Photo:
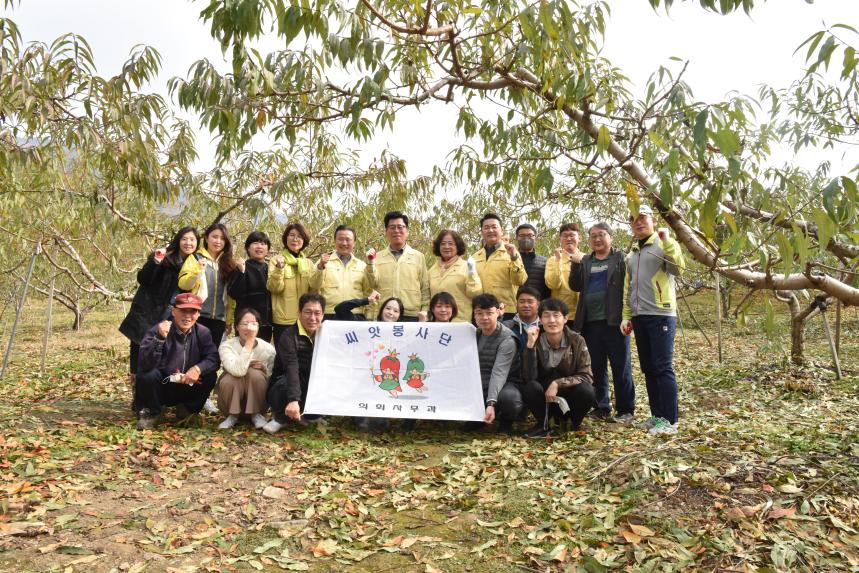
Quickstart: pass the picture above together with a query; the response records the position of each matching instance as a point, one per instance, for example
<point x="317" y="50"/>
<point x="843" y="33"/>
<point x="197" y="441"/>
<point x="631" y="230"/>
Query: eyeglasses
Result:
<point x="247" y="324"/>
<point x="397" y="227"/>
<point x="295" y="236"/>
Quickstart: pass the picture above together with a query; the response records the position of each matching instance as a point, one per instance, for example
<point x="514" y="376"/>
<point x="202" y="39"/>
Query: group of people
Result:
<point x="547" y="329"/>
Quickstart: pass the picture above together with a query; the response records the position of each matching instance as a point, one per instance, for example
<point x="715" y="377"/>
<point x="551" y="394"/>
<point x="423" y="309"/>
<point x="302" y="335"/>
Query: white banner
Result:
<point x="421" y="370"/>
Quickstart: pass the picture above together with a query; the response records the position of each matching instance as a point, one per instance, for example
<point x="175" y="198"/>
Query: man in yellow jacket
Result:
<point x="342" y="276"/>
<point x="499" y="264"/>
<point x="400" y="271"/>
<point x="558" y="268"/>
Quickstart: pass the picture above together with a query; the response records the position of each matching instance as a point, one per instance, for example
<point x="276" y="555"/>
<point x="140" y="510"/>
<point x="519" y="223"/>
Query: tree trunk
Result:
<point x="798" y="316"/>
<point x="79" y="317"/>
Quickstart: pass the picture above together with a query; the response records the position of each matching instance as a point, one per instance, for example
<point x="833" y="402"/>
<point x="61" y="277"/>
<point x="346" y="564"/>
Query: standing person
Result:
<point x="206" y="274"/>
<point x="158" y="280"/>
<point x="287" y="394"/>
<point x="289" y="276"/>
<point x="341" y="275"/>
<point x="178" y="361"/>
<point x="556" y="365"/>
<point x="535" y="265"/>
<point x="453" y="274"/>
<point x="248" y="362"/>
<point x="400" y="271"/>
<point x="247" y="284"/>
<point x="498" y="355"/>
<point x="558" y="268"/>
<point x="499" y="264"/>
<point x="599" y="278"/>
<point x="527" y="305"/>
<point x="650" y="308"/>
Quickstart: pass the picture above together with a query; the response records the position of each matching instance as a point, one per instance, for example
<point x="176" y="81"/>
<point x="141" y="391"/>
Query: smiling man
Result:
<point x="344" y="276"/>
<point x="499" y="265"/>
<point x="174" y="357"/>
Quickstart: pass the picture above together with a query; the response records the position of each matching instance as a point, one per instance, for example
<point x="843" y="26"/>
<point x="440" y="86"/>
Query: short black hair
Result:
<point x="485" y="301"/>
<point x="296" y="226"/>
<point x="529" y="290"/>
<point x="569" y="227"/>
<point x="309" y="297"/>
<point x="460" y="244"/>
<point x="488" y="216"/>
<point x="444" y="297"/>
<point x="391" y="215"/>
<point x="525" y="226"/>
<point x="553" y="304"/>
<point x="257" y="237"/>
<point x="345" y="228"/>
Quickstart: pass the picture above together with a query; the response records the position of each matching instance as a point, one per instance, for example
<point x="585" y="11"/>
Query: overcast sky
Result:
<point x="726" y="53"/>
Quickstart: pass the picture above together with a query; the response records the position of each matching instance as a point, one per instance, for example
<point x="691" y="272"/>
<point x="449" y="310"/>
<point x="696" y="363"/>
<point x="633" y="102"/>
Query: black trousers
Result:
<point x="150" y="392"/>
<point x="133" y="353"/>
<point x="510" y="404"/>
<point x="277" y="397"/>
<point x="579" y="397"/>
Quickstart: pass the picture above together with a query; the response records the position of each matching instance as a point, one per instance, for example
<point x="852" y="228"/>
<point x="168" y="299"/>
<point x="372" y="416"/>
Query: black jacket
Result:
<point x="535" y="266"/>
<point x="179" y="352"/>
<point x="249" y="290"/>
<point x="158" y="284"/>
<point x="343" y="311"/>
<point x="295" y="353"/>
<point x="580" y="274"/>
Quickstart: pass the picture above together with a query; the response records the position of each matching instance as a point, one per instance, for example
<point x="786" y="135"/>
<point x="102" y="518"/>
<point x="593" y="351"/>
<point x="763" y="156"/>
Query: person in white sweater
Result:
<point x="247" y="362"/>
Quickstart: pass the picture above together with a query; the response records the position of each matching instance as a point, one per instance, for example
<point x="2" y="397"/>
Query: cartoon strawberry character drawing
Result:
<point x="416" y="372"/>
<point x="389" y="377"/>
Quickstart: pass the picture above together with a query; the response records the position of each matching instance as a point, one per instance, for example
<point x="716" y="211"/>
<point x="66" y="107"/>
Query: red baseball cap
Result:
<point x="188" y="300"/>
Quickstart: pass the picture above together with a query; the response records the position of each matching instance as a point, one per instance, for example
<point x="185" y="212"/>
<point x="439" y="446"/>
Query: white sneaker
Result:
<point x="272" y="427"/>
<point x="258" y="421"/>
<point x="210" y="408"/>
<point x="228" y="422"/>
<point x="624" y="419"/>
<point x="648" y="423"/>
<point x="663" y="426"/>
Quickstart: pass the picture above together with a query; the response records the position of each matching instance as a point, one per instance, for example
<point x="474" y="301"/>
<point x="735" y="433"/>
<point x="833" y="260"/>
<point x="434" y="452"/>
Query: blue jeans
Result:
<point x="654" y="338"/>
<point x="607" y="345"/>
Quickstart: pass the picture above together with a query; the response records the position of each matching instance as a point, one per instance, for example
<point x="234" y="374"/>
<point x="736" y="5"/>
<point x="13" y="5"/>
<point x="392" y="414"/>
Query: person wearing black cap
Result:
<point x="535" y="265"/>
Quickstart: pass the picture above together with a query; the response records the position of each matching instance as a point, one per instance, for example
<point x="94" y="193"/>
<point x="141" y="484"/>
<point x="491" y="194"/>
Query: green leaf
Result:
<point x="603" y="139"/>
<point x="727" y="141"/>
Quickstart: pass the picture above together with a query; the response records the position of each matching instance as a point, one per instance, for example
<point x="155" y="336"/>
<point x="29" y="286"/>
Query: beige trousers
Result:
<point x="242" y="395"/>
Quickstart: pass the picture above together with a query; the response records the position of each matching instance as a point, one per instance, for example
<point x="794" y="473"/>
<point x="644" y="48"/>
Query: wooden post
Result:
<point x="718" y="315"/>
<point x="831" y="343"/>
<point x="20" y="308"/>
<point x="49" y="325"/>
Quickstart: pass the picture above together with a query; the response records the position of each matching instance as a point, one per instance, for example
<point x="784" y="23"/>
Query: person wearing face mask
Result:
<point x="599" y="278"/>
<point x="499" y="265"/>
<point x="650" y="308"/>
<point x="158" y="280"/>
<point x="247" y="283"/>
<point x="342" y="276"/>
<point x="178" y="361"/>
<point x="556" y="364"/>
<point x="454" y="275"/>
<point x="558" y="268"/>
<point x="400" y="271"/>
<point x="248" y="362"/>
<point x="535" y="265"/>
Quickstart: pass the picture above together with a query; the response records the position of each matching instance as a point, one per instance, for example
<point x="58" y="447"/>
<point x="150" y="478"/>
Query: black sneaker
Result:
<point x="505" y="428"/>
<point x="538" y="432"/>
<point x="598" y="414"/>
<point x="471" y="427"/>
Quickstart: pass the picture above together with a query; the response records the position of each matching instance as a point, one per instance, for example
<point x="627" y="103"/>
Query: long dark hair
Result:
<point x="226" y="262"/>
<point x="384" y="304"/>
<point x="443" y="297"/>
<point x="174" y="253"/>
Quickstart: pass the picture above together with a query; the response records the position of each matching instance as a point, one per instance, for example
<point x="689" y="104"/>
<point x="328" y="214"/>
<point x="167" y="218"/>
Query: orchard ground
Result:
<point x="763" y="476"/>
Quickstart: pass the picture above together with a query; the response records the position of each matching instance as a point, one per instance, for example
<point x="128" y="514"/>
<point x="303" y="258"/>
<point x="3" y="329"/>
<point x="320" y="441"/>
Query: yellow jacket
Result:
<point x="459" y="283"/>
<point x="404" y="278"/>
<point x="501" y="276"/>
<point x="338" y="282"/>
<point x="286" y="286"/>
<point x="199" y="275"/>
<point x="558" y="279"/>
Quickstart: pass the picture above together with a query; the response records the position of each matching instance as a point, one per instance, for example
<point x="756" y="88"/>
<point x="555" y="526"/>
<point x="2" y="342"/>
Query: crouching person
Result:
<point x="294" y="346"/>
<point x="558" y="360"/>
<point x="248" y="362"/>
<point x="175" y="356"/>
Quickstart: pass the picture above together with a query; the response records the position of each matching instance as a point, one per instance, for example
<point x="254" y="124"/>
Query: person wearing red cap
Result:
<point x="175" y="356"/>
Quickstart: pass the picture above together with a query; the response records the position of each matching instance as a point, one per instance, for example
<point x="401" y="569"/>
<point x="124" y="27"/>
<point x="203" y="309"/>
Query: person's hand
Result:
<point x="371" y="255"/>
<point x="250" y="332"/>
<point x="552" y="392"/>
<point x="240" y="264"/>
<point x="164" y="328"/>
<point x="292" y="411"/>
<point x="422" y="316"/>
<point x="279" y="261"/>
<point x="626" y="327"/>
<point x="375" y="296"/>
<point x="511" y="250"/>
<point x="160" y="254"/>
<point x="489" y="417"/>
<point x="559" y="252"/>
<point x="577" y="256"/>
<point x="501" y="308"/>
<point x="471" y="264"/>
<point x="257" y="365"/>
<point x="663" y="232"/>
<point x="323" y="260"/>
<point x="533" y="335"/>
<point x="192" y="376"/>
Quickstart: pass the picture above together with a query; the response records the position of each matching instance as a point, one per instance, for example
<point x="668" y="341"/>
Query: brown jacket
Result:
<point x="568" y="365"/>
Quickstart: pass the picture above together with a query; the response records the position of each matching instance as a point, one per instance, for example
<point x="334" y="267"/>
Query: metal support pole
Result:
<point x="20" y="308"/>
<point x="49" y="325"/>
<point x="718" y="315"/>
<point x="831" y="343"/>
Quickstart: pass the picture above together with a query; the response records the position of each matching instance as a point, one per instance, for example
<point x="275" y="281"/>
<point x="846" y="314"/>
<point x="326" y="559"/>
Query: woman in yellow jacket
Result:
<point x="289" y="275"/>
<point x="558" y="269"/>
<point x="453" y="274"/>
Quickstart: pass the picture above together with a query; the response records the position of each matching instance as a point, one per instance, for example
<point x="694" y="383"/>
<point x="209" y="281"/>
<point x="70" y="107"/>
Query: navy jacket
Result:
<point x="178" y="352"/>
